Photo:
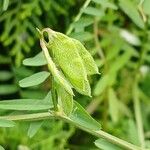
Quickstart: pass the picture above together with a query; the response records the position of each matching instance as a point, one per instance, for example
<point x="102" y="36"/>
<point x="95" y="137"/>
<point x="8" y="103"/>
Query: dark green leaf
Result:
<point x="34" y="79"/>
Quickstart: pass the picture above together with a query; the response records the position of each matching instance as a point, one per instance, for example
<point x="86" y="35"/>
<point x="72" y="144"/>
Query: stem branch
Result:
<point x="49" y="115"/>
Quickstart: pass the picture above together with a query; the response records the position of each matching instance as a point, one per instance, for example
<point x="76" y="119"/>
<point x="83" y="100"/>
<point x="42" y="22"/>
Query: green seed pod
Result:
<point x="88" y="60"/>
<point x="55" y="72"/>
<point x="73" y="59"/>
<point x="66" y="55"/>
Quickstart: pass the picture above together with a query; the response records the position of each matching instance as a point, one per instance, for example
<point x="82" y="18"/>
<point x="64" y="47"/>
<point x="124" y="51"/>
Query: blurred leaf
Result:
<point x="34" y="127"/>
<point x="113" y="105"/>
<point x="93" y="11"/>
<point x="82" y="118"/>
<point x="8" y="89"/>
<point x="106" y="4"/>
<point x="34" y="79"/>
<point x="38" y="60"/>
<point x="130" y="9"/>
<point x="105" y="145"/>
<point x="6" y="123"/>
<point x="1" y="148"/>
<point x="120" y="61"/>
<point x="5" y="4"/>
<point x="25" y="104"/>
<point x="82" y="36"/>
<point x="146" y="4"/>
<point x="132" y="132"/>
<point x="101" y="85"/>
<point x="5" y="75"/>
<point x="83" y="22"/>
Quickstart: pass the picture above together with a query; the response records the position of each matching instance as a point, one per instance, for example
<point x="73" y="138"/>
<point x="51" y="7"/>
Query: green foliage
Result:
<point x="115" y="33"/>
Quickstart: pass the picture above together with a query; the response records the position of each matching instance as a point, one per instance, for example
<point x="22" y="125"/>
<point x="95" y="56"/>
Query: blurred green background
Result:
<point x="116" y="33"/>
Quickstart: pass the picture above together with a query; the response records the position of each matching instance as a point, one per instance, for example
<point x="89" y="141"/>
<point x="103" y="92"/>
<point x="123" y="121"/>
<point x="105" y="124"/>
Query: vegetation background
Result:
<point x="116" y="33"/>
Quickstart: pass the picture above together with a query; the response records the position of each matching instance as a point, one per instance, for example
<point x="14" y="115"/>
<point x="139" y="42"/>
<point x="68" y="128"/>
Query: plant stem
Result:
<point x="78" y="16"/>
<point x="99" y="133"/>
<point x="54" y="97"/>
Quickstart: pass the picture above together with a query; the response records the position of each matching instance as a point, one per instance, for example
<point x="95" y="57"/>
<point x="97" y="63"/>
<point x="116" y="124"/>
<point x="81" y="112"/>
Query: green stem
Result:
<point x="78" y="16"/>
<point x="54" y="97"/>
<point x="99" y="133"/>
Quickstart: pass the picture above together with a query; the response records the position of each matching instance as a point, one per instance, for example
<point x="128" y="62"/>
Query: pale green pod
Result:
<point x="69" y="60"/>
<point x="59" y="78"/>
<point x="88" y="60"/>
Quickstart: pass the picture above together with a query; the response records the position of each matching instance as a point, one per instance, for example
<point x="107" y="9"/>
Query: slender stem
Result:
<point x="99" y="133"/>
<point x="54" y="97"/>
<point x="28" y="117"/>
<point x="78" y="16"/>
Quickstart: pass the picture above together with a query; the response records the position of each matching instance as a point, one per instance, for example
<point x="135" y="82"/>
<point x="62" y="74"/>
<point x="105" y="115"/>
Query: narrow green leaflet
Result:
<point x="105" y="145"/>
<point x="130" y="9"/>
<point x="83" y="22"/>
<point x="5" y="4"/>
<point x="93" y="11"/>
<point x="89" y="63"/>
<point x="26" y="104"/>
<point x="82" y="36"/>
<point x="105" y="4"/>
<point x="121" y="61"/>
<point x="5" y="75"/>
<point x="6" y="123"/>
<point x="101" y="85"/>
<point x="34" y="79"/>
<point x="34" y="127"/>
<point x="65" y="100"/>
<point x="113" y="105"/>
<point x="1" y="148"/>
<point x="38" y="60"/>
<point x="82" y="118"/>
<point x="132" y="132"/>
<point x="8" y="89"/>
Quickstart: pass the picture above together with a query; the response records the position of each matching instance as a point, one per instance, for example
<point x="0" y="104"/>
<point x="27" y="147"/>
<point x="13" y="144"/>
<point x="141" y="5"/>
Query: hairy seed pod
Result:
<point x="73" y="59"/>
<point x="55" y="72"/>
<point x="67" y="57"/>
